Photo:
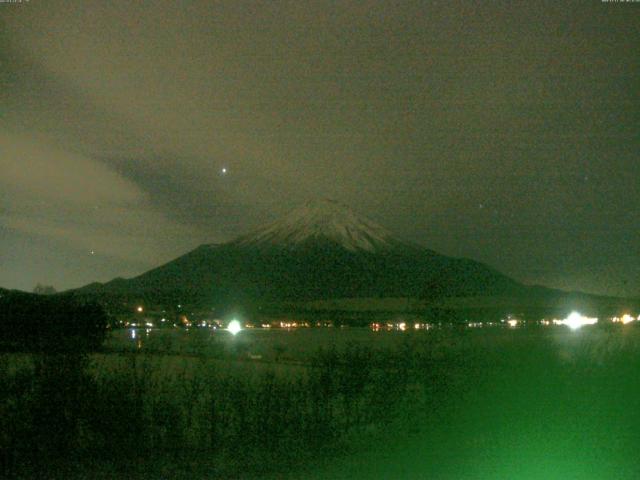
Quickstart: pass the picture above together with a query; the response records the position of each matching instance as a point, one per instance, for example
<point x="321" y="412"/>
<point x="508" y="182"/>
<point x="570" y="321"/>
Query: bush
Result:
<point x="50" y="324"/>
<point x="140" y="416"/>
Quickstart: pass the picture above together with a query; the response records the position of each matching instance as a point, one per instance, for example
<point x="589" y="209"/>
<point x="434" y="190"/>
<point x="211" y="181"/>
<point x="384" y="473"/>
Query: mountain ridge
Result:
<point x="324" y="219"/>
<point x="317" y="252"/>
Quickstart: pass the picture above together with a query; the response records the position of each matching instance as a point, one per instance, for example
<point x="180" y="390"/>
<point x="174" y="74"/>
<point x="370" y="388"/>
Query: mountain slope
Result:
<point x="324" y="220"/>
<point x="322" y="250"/>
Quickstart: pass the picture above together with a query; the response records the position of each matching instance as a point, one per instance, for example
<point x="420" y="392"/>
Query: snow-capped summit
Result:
<point x="320" y="251"/>
<point x="323" y="220"/>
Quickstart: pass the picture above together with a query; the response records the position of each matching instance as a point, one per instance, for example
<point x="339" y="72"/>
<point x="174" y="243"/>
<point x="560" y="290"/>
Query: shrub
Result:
<point x="50" y="324"/>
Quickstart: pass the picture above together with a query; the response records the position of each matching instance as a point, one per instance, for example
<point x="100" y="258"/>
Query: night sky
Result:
<point x="505" y="132"/>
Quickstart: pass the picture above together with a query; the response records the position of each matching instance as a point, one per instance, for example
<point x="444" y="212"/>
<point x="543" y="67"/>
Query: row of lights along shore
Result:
<point x="574" y="321"/>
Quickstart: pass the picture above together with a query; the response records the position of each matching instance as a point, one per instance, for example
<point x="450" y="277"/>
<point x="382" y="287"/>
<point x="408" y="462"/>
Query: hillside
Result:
<point x="321" y="252"/>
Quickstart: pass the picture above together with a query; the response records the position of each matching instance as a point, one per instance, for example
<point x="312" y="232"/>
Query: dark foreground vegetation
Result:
<point x="151" y="416"/>
<point x="39" y="323"/>
<point x="68" y="411"/>
<point x="550" y="404"/>
<point x="449" y="403"/>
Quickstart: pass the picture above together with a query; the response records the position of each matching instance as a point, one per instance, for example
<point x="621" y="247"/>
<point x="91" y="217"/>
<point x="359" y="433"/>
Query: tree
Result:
<point x="50" y="323"/>
<point x="44" y="289"/>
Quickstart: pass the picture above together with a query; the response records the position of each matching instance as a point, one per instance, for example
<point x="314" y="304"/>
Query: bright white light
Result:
<point x="626" y="318"/>
<point x="234" y="327"/>
<point x="139" y="309"/>
<point x="224" y="170"/>
<point x="575" y="321"/>
<point x="513" y="323"/>
<point x="133" y="333"/>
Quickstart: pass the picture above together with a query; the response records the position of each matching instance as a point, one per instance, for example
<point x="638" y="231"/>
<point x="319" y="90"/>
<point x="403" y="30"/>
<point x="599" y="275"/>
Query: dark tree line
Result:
<point x="39" y="323"/>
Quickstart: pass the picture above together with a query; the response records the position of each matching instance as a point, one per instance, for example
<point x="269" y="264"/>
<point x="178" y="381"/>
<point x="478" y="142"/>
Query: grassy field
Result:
<point x="195" y="405"/>
<point x="541" y="405"/>
<point x="532" y="403"/>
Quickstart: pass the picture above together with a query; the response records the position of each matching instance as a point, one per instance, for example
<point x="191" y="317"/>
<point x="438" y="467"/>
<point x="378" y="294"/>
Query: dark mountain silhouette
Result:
<point x="320" y="251"/>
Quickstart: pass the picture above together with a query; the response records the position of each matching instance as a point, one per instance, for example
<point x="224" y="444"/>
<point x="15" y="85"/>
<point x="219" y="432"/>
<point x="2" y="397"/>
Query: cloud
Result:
<point x="413" y="114"/>
<point x="67" y="197"/>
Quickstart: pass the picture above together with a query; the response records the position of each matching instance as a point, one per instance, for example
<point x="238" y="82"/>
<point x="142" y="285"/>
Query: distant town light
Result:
<point x="513" y="323"/>
<point x="576" y="320"/>
<point x="626" y="318"/>
<point x="139" y="309"/>
<point x="234" y="327"/>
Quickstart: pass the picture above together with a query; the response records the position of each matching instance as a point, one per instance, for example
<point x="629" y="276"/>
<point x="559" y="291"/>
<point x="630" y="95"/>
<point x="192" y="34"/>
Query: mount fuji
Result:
<point x="325" y="220"/>
<point x="322" y="250"/>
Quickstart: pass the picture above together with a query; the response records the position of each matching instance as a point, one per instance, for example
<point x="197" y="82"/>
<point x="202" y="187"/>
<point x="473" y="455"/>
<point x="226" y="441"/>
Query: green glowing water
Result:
<point x="540" y="406"/>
